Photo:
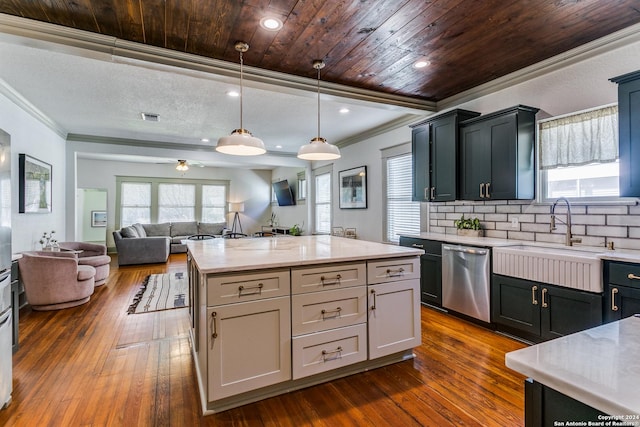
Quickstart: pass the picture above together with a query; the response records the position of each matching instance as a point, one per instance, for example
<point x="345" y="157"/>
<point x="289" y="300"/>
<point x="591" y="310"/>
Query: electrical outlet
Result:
<point x="515" y="222"/>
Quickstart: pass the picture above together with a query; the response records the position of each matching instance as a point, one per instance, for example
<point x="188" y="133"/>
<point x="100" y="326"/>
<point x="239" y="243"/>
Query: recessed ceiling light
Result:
<point x="421" y="63"/>
<point x="344" y="110"/>
<point x="205" y="140"/>
<point x="233" y="93"/>
<point x="270" y="23"/>
<point x="278" y="146"/>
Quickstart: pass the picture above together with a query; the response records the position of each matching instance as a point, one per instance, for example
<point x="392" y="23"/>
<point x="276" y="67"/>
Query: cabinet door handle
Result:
<point x="336" y="313"/>
<point x="256" y="289"/>
<point x="415" y="245"/>
<point x="335" y="281"/>
<point x="326" y="353"/>
<point x="544" y="300"/>
<point x="373" y="293"/>
<point x="632" y="276"/>
<point x="614" y="307"/>
<point x="395" y="273"/>
<point x="213" y="327"/>
<point x="486" y="190"/>
<point x="534" y="289"/>
<point x="433" y="193"/>
<point x="482" y="190"/>
<point x="426" y="194"/>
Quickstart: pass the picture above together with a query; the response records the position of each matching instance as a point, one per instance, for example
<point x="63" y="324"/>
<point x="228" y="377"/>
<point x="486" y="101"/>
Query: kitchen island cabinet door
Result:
<point x="516" y="304"/>
<point x="565" y="311"/>
<point x="249" y="346"/>
<point x="621" y="302"/>
<point x="394" y="317"/>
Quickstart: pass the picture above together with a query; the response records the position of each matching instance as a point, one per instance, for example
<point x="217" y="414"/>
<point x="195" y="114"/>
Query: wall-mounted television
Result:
<point x="284" y="194"/>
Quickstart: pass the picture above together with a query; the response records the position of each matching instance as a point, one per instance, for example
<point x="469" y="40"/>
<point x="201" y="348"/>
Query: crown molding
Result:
<point x="403" y="121"/>
<point x="29" y="108"/>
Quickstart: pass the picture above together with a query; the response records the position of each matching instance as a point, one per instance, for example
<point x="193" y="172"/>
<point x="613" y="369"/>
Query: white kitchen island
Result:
<point x="271" y="315"/>
<point x="598" y="367"/>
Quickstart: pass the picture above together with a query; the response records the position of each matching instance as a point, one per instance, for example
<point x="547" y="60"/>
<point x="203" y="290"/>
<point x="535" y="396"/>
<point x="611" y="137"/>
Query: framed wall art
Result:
<point x="353" y="188"/>
<point x="98" y="218"/>
<point x="34" y="185"/>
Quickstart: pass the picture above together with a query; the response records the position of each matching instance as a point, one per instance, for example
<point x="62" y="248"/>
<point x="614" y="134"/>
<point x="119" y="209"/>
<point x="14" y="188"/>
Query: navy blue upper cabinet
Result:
<point x="434" y="144"/>
<point x="497" y="159"/>
<point x="629" y="128"/>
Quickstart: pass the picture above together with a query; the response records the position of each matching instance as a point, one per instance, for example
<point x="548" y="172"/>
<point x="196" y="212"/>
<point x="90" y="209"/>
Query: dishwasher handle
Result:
<point x="465" y="249"/>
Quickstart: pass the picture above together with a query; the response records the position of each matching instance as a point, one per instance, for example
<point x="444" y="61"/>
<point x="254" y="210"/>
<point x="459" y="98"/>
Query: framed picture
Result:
<point x="353" y="188"/>
<point x="98" y="219"/>
<point x="34" y="185"/>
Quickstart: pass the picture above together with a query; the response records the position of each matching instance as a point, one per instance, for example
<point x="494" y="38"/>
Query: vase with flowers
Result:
<point x="48" y="242"/>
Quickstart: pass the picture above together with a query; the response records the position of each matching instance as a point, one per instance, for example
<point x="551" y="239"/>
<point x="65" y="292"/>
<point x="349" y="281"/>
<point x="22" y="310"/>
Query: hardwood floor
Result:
<point x="95" y="365"/>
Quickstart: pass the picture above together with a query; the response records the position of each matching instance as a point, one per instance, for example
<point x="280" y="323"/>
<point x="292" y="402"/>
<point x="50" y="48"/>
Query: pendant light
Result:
<point x="318" y="148"/>
<point x="241" y="142"/>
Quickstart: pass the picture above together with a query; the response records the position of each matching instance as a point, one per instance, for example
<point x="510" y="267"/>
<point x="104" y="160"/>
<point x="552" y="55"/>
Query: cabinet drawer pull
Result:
<point x="632" y="276"/>
<point x="486" y="190"/>
<point x="332" y="313"/>
<point x="336" y="352"/>
<point x="433" y="193"/>
<point x="324" y="281"/>
<point x="482" y="190"/>
<point x="614" y="307"/>
<point x="255" y="289"/>
<point x="534" y="289"/>
<point x="395" y="273"/>
<point x="213" y="327"/>
<point x="373" y="292"/>
<point x="544" y="300"/>
<point x="415" y="245"/>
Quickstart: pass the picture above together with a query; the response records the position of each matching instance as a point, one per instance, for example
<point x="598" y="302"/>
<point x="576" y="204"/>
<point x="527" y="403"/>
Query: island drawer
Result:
<point x="232" y="288"/>
<point x="328" y="350"/>
<point x="393" y="269"/>
<point x="624" y="274"/>
<point x="330" y="276"/>
<point x="319" y="311"/>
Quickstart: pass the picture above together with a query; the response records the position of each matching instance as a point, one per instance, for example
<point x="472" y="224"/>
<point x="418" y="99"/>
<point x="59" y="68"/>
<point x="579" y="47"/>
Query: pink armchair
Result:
<point x="54" y="280"/>
<point x="92" y="254"/>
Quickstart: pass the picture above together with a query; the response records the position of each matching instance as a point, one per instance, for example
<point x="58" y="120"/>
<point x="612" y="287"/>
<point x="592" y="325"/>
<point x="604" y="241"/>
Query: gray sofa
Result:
<point x="152" y="243"/>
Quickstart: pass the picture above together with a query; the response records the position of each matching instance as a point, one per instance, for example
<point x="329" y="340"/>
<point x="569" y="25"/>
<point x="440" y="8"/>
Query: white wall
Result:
<point x="30" y="136"/>
<point x="249" y="186"/>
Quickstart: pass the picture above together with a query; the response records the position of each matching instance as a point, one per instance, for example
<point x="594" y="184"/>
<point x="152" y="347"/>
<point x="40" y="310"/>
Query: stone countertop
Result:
<point x="599" y="367"/>
<point x="230" y="255"/>
<point x="624" y="255"/>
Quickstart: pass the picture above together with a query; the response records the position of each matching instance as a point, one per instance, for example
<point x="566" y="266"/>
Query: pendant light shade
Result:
<point x="318" y="148"/>
<point x="241" y="142"/>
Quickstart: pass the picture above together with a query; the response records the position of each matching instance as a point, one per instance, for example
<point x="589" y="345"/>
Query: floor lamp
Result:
<point x="237" y="208"/>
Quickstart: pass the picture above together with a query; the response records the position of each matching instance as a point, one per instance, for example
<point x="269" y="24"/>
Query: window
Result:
<point x="176" y="202"/>
<point x="156" y="200"/>
<point x="213" y="203"/>
<point x="135" y="203"/>
<point x="402" y="216"/>
<point x="302" y="186"/>
<point x="579" y="155"/>
<point x="322" y="212"/>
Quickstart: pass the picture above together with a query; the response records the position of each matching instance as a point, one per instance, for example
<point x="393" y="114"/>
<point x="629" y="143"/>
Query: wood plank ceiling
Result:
<point x="370" y="44"/>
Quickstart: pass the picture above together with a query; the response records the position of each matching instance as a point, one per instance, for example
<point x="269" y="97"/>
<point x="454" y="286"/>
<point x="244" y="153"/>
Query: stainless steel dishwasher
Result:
<point x="465" y="281"/>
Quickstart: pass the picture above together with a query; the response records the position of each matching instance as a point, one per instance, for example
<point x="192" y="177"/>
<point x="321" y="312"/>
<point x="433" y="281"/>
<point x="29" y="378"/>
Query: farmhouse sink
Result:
<point x="563" y="266"/>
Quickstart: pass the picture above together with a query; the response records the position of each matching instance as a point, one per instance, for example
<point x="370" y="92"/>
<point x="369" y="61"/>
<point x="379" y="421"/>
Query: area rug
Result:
<point x="161" y="292"/>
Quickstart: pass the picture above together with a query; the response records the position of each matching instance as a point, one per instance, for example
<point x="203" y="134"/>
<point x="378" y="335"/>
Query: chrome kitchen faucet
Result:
<point x="569" y="240"/>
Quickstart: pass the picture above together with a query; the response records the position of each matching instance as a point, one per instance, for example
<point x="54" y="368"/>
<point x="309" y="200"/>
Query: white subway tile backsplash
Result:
<point x="596" y="224"/>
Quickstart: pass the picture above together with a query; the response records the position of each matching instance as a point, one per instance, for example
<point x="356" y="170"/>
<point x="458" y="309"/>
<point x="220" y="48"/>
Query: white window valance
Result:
<point x="580" y="139"/>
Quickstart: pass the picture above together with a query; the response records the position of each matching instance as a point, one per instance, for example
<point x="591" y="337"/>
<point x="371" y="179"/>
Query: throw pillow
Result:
<point x="129" y="232"/>
<point x="140" y="229"/>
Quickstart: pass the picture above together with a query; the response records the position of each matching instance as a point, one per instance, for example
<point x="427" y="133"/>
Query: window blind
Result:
<point x="402" y="214"/>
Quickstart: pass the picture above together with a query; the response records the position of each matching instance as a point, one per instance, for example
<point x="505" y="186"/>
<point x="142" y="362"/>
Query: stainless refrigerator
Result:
<point x="6" y="315"/>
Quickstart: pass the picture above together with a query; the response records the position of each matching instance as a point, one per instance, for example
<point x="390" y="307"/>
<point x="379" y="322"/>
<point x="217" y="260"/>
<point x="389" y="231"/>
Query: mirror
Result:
<point x="92" y="215"/>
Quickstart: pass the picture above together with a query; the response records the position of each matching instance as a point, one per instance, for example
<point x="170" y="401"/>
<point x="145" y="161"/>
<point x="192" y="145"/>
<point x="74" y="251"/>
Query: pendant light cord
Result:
<point x="241" y="93"/>
<point x="318" y="102"/>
